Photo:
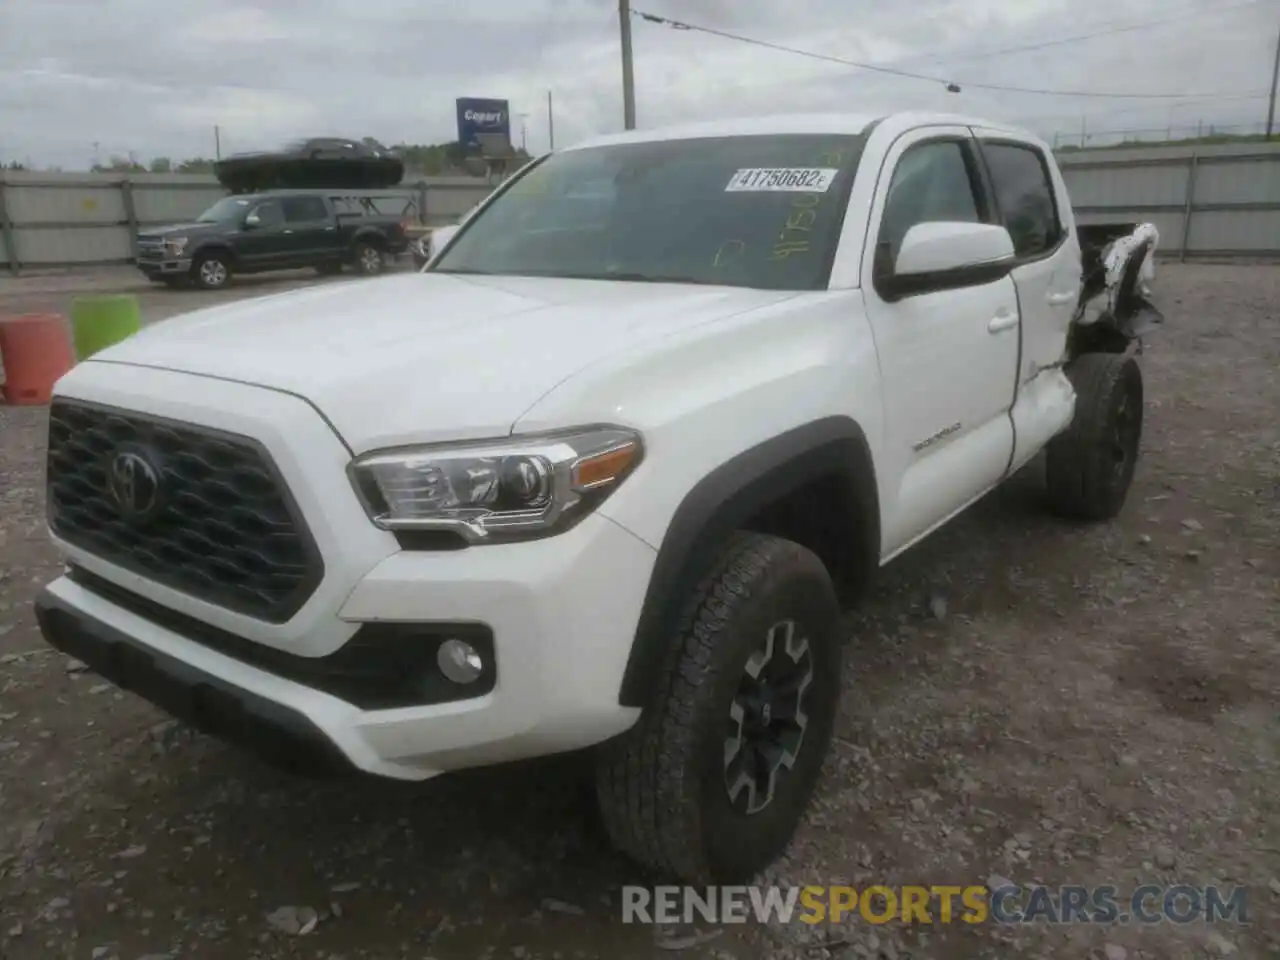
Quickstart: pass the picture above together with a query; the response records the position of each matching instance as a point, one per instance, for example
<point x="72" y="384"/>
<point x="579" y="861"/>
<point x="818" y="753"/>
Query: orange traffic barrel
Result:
<point x="36" y="350"/>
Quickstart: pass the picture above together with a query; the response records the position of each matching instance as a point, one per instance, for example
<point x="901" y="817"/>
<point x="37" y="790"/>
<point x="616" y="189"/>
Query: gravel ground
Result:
<point x="1025" y="699"/>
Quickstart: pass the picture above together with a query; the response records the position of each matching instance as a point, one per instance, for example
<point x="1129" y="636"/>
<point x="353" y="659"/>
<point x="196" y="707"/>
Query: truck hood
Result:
<point x="422" y="357"/>
<point x="181" y="229"/>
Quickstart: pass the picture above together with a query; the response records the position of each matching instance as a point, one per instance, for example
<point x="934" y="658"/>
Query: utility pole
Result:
<point x="551" y="123"/>
<point x="628" y="78"/>
<point x="217" y="143"/>
<point x="1275" y="76"/>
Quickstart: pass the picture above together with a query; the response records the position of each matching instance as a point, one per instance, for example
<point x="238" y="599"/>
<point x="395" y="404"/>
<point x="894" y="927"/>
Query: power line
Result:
<point x="951" y="85"/>
<point x="1110" y="32"/>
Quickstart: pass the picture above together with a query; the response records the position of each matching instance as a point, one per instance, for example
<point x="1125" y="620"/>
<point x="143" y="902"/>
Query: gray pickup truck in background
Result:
<point x="276" y="230"/>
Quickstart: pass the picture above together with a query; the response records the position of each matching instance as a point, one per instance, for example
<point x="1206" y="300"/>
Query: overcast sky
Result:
<point x="154" y="76"/>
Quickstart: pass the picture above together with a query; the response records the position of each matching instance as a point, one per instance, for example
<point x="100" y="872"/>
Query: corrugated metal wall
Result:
<point x="1206" y="200"/>
<point x="70" y="219"/>
<point x="1219" y="200"/>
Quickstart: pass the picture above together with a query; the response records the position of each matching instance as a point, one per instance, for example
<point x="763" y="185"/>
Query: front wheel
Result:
<point x="712" y="782"/>
<point x="211" y="271"/>
<point x="1089" y="468"/>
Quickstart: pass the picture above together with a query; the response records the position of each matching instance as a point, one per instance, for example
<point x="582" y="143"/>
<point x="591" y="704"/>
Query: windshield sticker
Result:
<point x="781" y="179"/>
<point x="803" y="212"/>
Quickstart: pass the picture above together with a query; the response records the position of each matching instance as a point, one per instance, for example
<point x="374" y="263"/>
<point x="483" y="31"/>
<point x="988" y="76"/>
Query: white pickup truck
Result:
<point x="602" y="473"/>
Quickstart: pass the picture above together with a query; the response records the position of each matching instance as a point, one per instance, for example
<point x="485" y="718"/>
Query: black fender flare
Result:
<point x="727" y="497"/>
<point x="375" y="238"/>
<point x="215" y="246"/>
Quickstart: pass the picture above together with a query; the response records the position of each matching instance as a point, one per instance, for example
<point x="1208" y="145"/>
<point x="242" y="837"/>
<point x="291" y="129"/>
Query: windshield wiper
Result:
<point x="625" y="276"/>
<point x="659" y="278"/>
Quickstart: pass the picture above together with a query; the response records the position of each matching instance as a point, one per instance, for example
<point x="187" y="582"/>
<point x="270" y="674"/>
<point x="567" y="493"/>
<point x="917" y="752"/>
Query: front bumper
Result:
<point x="201" y="698"/>
<point x="164" y="268"/>
<point x="561" y="612"/>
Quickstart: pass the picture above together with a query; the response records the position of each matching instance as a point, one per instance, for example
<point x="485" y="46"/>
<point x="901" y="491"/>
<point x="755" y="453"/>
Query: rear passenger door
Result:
<point x="310" y="229"/>
<point x="948" y="357"/>
<point x="1029" y="201"/>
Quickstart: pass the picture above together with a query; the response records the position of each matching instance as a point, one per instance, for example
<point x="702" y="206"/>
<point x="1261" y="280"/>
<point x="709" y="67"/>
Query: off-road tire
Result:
<point x="1089" y="468"/>
<point x="204" y="277"/>
<point x="661" y="786"/>
<point x="363" y="255"/>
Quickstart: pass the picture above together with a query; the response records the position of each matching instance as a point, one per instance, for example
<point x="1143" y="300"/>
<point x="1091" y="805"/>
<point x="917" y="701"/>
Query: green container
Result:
<point x="98" y="322"/>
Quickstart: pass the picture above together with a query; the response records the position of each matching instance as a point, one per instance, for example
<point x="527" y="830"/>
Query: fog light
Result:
<point x="459" y="661"/>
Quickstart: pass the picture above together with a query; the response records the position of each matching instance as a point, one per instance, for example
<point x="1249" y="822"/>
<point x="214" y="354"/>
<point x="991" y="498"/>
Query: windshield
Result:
<point x="748" y="211"/>
<point x="226" y="210"/>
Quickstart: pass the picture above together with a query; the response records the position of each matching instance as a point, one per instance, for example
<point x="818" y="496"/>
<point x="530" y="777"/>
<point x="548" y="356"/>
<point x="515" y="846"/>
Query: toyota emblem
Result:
<point x="134" y="483"/>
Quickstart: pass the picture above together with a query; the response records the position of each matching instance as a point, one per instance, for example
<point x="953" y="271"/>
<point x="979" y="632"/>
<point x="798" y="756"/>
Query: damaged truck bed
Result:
<point x="1115" y="308"/>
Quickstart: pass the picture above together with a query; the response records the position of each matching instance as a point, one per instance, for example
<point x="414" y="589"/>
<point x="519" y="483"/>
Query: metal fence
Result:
<point x="1086" y="136"/>
<point x="1207" y="200"/>
<point x="78" y="219"/>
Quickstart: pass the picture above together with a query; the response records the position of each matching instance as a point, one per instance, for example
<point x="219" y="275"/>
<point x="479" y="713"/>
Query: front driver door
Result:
<point x="948" y="358"/>
<point x="263" y="242"/>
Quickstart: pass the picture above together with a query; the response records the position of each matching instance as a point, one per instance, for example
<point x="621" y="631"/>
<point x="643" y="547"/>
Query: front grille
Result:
<point x="150" y="249"/>
<point x="194" y="509"/>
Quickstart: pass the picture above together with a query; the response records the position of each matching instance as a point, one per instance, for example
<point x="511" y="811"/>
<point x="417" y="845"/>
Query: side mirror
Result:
<point x="252" y="221"/>
<point x="440" y="236"/>
<point x="945" y="255"/>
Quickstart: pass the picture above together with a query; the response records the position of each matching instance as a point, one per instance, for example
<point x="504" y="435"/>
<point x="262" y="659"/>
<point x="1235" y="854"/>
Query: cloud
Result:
<point x="235" y="26"/>
<point x="153" y="78"/>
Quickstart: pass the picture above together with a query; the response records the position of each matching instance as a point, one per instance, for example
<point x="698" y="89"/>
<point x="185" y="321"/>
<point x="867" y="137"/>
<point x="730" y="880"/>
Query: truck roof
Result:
<point x="783" y="123"/>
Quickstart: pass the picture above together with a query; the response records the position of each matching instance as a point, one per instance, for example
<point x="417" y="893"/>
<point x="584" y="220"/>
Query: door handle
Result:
<point x="1058" y="299"/>
<point x="286" y="231"/>
<point x="1002" y="322"/>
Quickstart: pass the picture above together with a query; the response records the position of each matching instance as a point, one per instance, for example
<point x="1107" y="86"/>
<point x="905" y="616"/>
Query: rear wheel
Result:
<point x="211" y="271"/>
<point x="368" y="259"/>
<point x="712" y="782"/>
<point x="1089" y="468"/>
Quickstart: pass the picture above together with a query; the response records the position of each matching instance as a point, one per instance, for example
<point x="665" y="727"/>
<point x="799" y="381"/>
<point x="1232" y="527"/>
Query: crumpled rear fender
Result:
<point x="1116" y="307"/>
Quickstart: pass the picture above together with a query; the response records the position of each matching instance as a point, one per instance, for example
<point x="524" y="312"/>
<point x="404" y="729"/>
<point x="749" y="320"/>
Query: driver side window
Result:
<point x="269" y="214"/>
<point x="931" y="183"/>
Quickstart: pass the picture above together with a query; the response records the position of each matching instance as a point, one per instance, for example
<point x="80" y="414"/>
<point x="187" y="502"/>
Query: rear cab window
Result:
<point x="761" y="211"/>
<point x="1025" y="196"/>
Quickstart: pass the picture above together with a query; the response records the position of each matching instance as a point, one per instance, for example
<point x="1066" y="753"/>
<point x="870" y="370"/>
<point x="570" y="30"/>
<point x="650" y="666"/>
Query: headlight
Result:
<point x="520" y="486"/>
<point x="175" y="246"/>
